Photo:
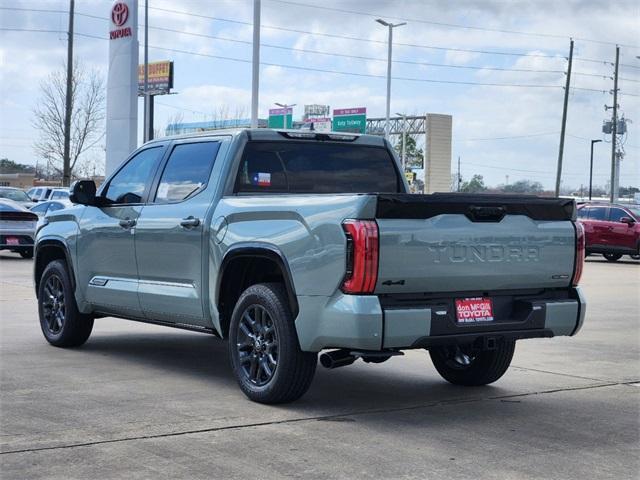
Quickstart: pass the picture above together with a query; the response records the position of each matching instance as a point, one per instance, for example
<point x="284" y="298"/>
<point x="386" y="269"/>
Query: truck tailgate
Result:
<point x="473" y="243"/>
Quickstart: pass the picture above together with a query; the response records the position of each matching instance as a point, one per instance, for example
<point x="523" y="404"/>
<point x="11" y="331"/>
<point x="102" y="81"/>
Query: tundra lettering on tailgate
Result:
<point x="483" y="253"/>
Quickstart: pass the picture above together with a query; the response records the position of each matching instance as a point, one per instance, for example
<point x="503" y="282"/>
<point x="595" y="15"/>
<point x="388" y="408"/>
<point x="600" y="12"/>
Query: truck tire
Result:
<point x="612" y="257"/>
<point x="61" y="322"/>
<point x="263" y="347"/>
<point x="461" y="366"/>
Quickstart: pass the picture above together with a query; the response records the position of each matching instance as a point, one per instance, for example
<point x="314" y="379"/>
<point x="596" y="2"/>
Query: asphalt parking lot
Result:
<point x="141" y="401"/>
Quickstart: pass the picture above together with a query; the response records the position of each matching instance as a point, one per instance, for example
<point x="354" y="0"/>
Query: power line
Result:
<point x="338" y="72"/>
<point x="330" y="35"/>
<point x="508" y="138"/>
<point x="448" y="25"/>
<point x="368" y="75"/>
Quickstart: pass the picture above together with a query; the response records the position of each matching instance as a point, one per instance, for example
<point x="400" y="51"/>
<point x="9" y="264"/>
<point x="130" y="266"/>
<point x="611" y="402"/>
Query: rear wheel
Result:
<point x="464" y="365"/>
<point x="612" y="257"/>
<point x="61" y="322"/>
<point x="263" y="345"/>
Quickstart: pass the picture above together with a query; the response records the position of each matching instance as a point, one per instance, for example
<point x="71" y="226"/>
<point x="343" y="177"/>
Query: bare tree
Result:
<point x="87" y="116"/>
<point x="172" y="122"/>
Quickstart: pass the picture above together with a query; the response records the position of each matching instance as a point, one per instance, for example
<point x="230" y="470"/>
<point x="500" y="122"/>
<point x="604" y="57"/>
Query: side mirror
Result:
<point x="83" y="192"/>
<point x="628" y="220"/>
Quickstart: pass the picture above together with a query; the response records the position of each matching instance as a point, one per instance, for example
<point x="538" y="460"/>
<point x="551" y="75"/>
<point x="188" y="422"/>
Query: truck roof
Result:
<point x="281" y="134"/>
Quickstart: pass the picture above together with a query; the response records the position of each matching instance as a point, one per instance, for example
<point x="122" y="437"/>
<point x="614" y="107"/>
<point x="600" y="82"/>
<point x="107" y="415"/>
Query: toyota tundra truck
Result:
<point x="290" y="244"/>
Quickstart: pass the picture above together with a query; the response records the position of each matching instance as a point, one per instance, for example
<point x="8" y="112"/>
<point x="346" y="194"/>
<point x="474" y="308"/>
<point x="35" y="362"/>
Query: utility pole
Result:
<point x="68" y="103"/>
<point x="255" y="71"/>
<point x="390" y="26"/>
<point x="404" y="139"/>
<point x="147" y="128"/>
<point x="591" y="168"/>
<point x="614" y="129"/>
<point x="564" y="119"/>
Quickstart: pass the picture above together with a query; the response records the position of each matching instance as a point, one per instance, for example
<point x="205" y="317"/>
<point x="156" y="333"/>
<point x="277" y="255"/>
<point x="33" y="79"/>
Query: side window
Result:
<point x="129" y="183"/>
<point x="615" y="214"/>
<point x="40" y="208"/>
<point x="583" y="212"/>
<point x="597" y="213"/>
<point x="187" y="171"/>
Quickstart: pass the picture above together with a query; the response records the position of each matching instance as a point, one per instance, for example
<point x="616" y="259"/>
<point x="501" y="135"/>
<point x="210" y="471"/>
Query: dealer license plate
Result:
<point x="12" y="241"/>
<point x="472" y="310"/>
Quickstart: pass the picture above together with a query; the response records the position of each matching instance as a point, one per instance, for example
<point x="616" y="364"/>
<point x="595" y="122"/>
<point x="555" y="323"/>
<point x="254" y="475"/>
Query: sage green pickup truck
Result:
<point x="291" y="243"/>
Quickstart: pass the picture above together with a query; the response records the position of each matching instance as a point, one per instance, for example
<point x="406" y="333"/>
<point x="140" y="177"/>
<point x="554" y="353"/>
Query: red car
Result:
<point x="611" y="229"/>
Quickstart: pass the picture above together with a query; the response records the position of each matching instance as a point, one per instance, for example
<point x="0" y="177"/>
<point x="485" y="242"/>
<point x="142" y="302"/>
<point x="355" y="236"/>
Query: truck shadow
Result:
<point x="398" y="383"/>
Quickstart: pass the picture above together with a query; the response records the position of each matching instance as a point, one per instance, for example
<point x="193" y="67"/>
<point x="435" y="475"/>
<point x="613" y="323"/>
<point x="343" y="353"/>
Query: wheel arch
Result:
<point x="248" y="264"/>
<point x="46" y="251"/>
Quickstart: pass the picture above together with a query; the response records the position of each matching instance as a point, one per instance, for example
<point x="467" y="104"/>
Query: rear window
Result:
<point x="314" y="167"/>
<point x="597" y="213"/>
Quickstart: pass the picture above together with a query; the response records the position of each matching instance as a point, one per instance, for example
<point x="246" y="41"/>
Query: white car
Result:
<point x="41" y="194"/>
<point x="17" y="228"/>
<point x="16" y="195"/>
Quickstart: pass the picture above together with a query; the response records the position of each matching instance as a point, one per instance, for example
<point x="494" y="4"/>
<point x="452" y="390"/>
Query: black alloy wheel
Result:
<point x="257" y="345"/>
<point x="62" y="324"/>
<point x="53" y="304"/>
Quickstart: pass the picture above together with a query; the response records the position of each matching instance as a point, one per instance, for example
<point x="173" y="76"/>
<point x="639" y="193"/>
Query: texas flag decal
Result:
<point x="262" y="179"/>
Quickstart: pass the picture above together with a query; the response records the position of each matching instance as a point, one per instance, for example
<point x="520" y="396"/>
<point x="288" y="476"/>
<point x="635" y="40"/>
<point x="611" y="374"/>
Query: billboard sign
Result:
<point x="278" y="117"/>
<point x="160" y="77"/>
<point x="352" y="120"/>
<point x="321" y="124"/>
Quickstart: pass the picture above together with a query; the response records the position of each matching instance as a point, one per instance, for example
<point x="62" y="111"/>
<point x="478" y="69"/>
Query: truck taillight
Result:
<point x="362" y="256"/>
<point x="580" y="254"/>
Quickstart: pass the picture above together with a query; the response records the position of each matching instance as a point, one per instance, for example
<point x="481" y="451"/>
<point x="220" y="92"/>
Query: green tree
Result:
<point x="9" y="166"/>
<point x="414" y="156"/>
<point x="523" y="186"/>
<point x="475" y="185"/>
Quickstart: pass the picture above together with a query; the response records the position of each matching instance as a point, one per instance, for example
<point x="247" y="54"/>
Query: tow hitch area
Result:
<point x="344" y="357"/>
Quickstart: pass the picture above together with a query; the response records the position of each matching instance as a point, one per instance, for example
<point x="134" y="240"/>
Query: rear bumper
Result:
<point x="364" y="323"/>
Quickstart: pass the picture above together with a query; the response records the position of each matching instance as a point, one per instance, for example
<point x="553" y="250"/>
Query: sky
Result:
<point x="498" y="130"/>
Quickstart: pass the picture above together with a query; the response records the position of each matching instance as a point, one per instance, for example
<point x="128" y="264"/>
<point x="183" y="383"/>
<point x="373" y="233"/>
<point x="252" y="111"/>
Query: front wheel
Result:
<point x="612" y="257"/>
<point x="263" y="345"/>
<point x="61" y="322"/>
<point x="464" y="365"/>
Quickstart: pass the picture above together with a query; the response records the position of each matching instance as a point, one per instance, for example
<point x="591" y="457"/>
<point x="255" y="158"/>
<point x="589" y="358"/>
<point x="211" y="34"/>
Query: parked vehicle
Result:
<point x="611" y="229"/>
<point x="17" y="228"/>
<point x="42" y="194"/>
<point x="16" y="195"/>
<point x="42" y="208"/>
<point x="290" y="243"/>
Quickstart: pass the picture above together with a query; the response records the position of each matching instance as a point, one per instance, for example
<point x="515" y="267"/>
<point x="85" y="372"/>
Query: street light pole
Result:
<point x="390" y="26"/>
<point x="255" y="72"/>
<point x="404" y="139"/>
<point x="591" y="168"/>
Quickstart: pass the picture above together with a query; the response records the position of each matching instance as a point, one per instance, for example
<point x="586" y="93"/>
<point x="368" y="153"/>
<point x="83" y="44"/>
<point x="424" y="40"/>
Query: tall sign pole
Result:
<point x="148" y="127"/>
<point x="564" y="119"/>
<point x="255" y="72"/>
<point x="614" y="130"/>
<point x="122" y="83"/>
<point x="390" y="26"/>
<point x="68" y="107"/>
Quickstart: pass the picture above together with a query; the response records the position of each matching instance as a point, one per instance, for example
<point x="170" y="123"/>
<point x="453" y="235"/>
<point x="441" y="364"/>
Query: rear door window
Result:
<point x="187" y="171"/>
<point x="598" y="213"/>
<point x="316" y="167"/>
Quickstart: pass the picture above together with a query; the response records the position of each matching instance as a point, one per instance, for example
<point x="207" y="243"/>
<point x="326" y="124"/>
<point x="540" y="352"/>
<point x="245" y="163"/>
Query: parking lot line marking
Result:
<point x="316" y="418"/>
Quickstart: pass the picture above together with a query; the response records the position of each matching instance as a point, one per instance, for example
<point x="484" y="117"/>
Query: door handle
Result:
<point x="190" y="222"/>
<point x="127" y="223"/>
